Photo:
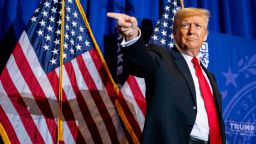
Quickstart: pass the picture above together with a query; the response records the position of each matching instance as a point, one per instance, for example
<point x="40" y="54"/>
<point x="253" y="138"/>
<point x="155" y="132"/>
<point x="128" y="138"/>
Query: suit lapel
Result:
<point x="183" y="67"/>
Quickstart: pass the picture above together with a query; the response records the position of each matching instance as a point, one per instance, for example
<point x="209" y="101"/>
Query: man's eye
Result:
<point x="185" y="26"/>
<point x="198" y="26"/>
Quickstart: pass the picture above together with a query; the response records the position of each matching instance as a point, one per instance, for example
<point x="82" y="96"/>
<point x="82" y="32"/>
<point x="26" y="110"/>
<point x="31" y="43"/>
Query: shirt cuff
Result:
<point x="125" y="43"/>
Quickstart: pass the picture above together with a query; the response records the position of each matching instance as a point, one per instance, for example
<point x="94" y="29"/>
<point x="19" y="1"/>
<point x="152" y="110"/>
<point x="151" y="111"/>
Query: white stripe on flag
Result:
<point x="142" y="85"/>
<point x="68" y="138"/>
<point x="126" y="90"/>
<point x="13" y="117"/>
<point x="32" y="106"/>
<point x="93" y="71"/>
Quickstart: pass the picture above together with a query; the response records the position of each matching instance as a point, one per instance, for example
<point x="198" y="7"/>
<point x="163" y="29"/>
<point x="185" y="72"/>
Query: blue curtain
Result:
<point x="232" y="46"/>
<point x="234" y="17"/>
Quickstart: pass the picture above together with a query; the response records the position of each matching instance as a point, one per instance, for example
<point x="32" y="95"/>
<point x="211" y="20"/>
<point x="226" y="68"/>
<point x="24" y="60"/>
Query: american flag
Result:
<point x="29" y="83"/>
<point x="134" y="88"/>
<point x="162" y="34"/>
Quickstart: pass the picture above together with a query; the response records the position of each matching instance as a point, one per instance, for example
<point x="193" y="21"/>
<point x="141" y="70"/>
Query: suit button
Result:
<point x="194" y="107"/>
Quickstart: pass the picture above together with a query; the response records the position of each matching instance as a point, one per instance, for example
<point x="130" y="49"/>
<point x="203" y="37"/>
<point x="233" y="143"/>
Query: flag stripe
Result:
<point x="110" y="90"/>
<point x="21" y="108"/>
<point x="67" y="112"/>
<point x="68" y="138"/>
<point x="82" y="106"/>
<point x="8" y="127"/>
<point x="126" y="91"/>
<point x="29" y="100"/>
<point x="10" y="121"/>
<point x="131" y="119"/>
<point x="142" y="85"/>
<point x="35" y="88"/>
<point x="97" y="98"/>
<point x="135" y="89"/>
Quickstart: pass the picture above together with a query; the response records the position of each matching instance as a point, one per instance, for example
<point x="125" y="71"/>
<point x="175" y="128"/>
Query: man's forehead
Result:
<point x="197" y="19"/>
<point x="193" y="17"/>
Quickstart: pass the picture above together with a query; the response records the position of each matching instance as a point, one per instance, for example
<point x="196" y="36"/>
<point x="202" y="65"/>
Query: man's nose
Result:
<point x="191" y="29"/>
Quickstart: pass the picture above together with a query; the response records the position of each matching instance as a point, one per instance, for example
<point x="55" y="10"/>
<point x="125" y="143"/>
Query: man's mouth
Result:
<point x="191" y="39"/>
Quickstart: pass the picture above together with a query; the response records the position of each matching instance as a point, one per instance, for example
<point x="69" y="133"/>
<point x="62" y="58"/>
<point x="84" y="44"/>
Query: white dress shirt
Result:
<point x="200" y="129"/>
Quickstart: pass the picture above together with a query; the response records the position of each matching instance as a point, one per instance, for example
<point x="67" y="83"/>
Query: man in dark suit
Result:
<point x="183" y="101"/>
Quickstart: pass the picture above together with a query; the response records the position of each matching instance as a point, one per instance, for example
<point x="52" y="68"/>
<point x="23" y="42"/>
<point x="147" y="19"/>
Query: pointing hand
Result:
<point x="126" y="25"/>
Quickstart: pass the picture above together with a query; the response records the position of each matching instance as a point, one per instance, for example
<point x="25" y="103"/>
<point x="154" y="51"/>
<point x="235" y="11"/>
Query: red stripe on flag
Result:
<point x="21" y="108"/>
<point x="137" y="94"/>
<point x="8" y="127"/>
<point x="66" y="109"/>
<point x="110" y="88"/>
<point x="97" y="98"/>
<point x="35" y="89"/>
<point x="130" y="117"/>
<point x="82" y="105"/>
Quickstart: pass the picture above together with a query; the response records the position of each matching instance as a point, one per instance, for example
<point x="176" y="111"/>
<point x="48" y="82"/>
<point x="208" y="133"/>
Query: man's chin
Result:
<point x="189" y="46"/>
<point x="192" y="46"/>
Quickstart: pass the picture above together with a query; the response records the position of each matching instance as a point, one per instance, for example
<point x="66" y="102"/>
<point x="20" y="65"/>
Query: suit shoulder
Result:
<point x="160" y="51"/>
<point x="156" y="48"/>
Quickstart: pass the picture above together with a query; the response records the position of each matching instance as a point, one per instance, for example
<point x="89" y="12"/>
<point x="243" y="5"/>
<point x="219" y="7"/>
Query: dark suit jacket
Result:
<point x="170" y="93"/>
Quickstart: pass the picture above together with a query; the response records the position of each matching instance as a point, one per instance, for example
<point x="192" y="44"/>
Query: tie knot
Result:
<point x="195" y="61"/>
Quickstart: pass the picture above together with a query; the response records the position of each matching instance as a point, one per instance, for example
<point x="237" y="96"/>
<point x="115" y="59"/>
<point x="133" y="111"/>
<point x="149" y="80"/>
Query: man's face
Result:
<point x="191" y="33"/>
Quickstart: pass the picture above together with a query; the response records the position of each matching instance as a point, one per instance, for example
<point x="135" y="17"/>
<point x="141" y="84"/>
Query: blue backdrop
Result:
<point x="231" y="46"/>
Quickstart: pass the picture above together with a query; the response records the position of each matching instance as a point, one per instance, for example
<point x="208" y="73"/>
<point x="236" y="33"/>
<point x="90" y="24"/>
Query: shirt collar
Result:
<point x="186" y="57"/>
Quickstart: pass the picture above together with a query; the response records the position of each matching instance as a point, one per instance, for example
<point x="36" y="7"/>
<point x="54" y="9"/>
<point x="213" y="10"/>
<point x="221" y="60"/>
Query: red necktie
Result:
<point x="215" y="136"/>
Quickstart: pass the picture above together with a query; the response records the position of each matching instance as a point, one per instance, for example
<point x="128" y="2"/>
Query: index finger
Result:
<point x="117" y="16"/>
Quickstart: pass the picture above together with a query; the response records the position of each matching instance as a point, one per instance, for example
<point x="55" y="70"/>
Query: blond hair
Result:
<point x="189" y="12"/>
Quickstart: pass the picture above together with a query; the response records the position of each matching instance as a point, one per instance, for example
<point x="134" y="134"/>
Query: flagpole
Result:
<point x="60" y="127"/>
<point x="4" y="135"/>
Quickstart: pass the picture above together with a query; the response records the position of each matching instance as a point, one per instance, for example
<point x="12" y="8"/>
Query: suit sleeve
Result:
<point x="141" y="60"/>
